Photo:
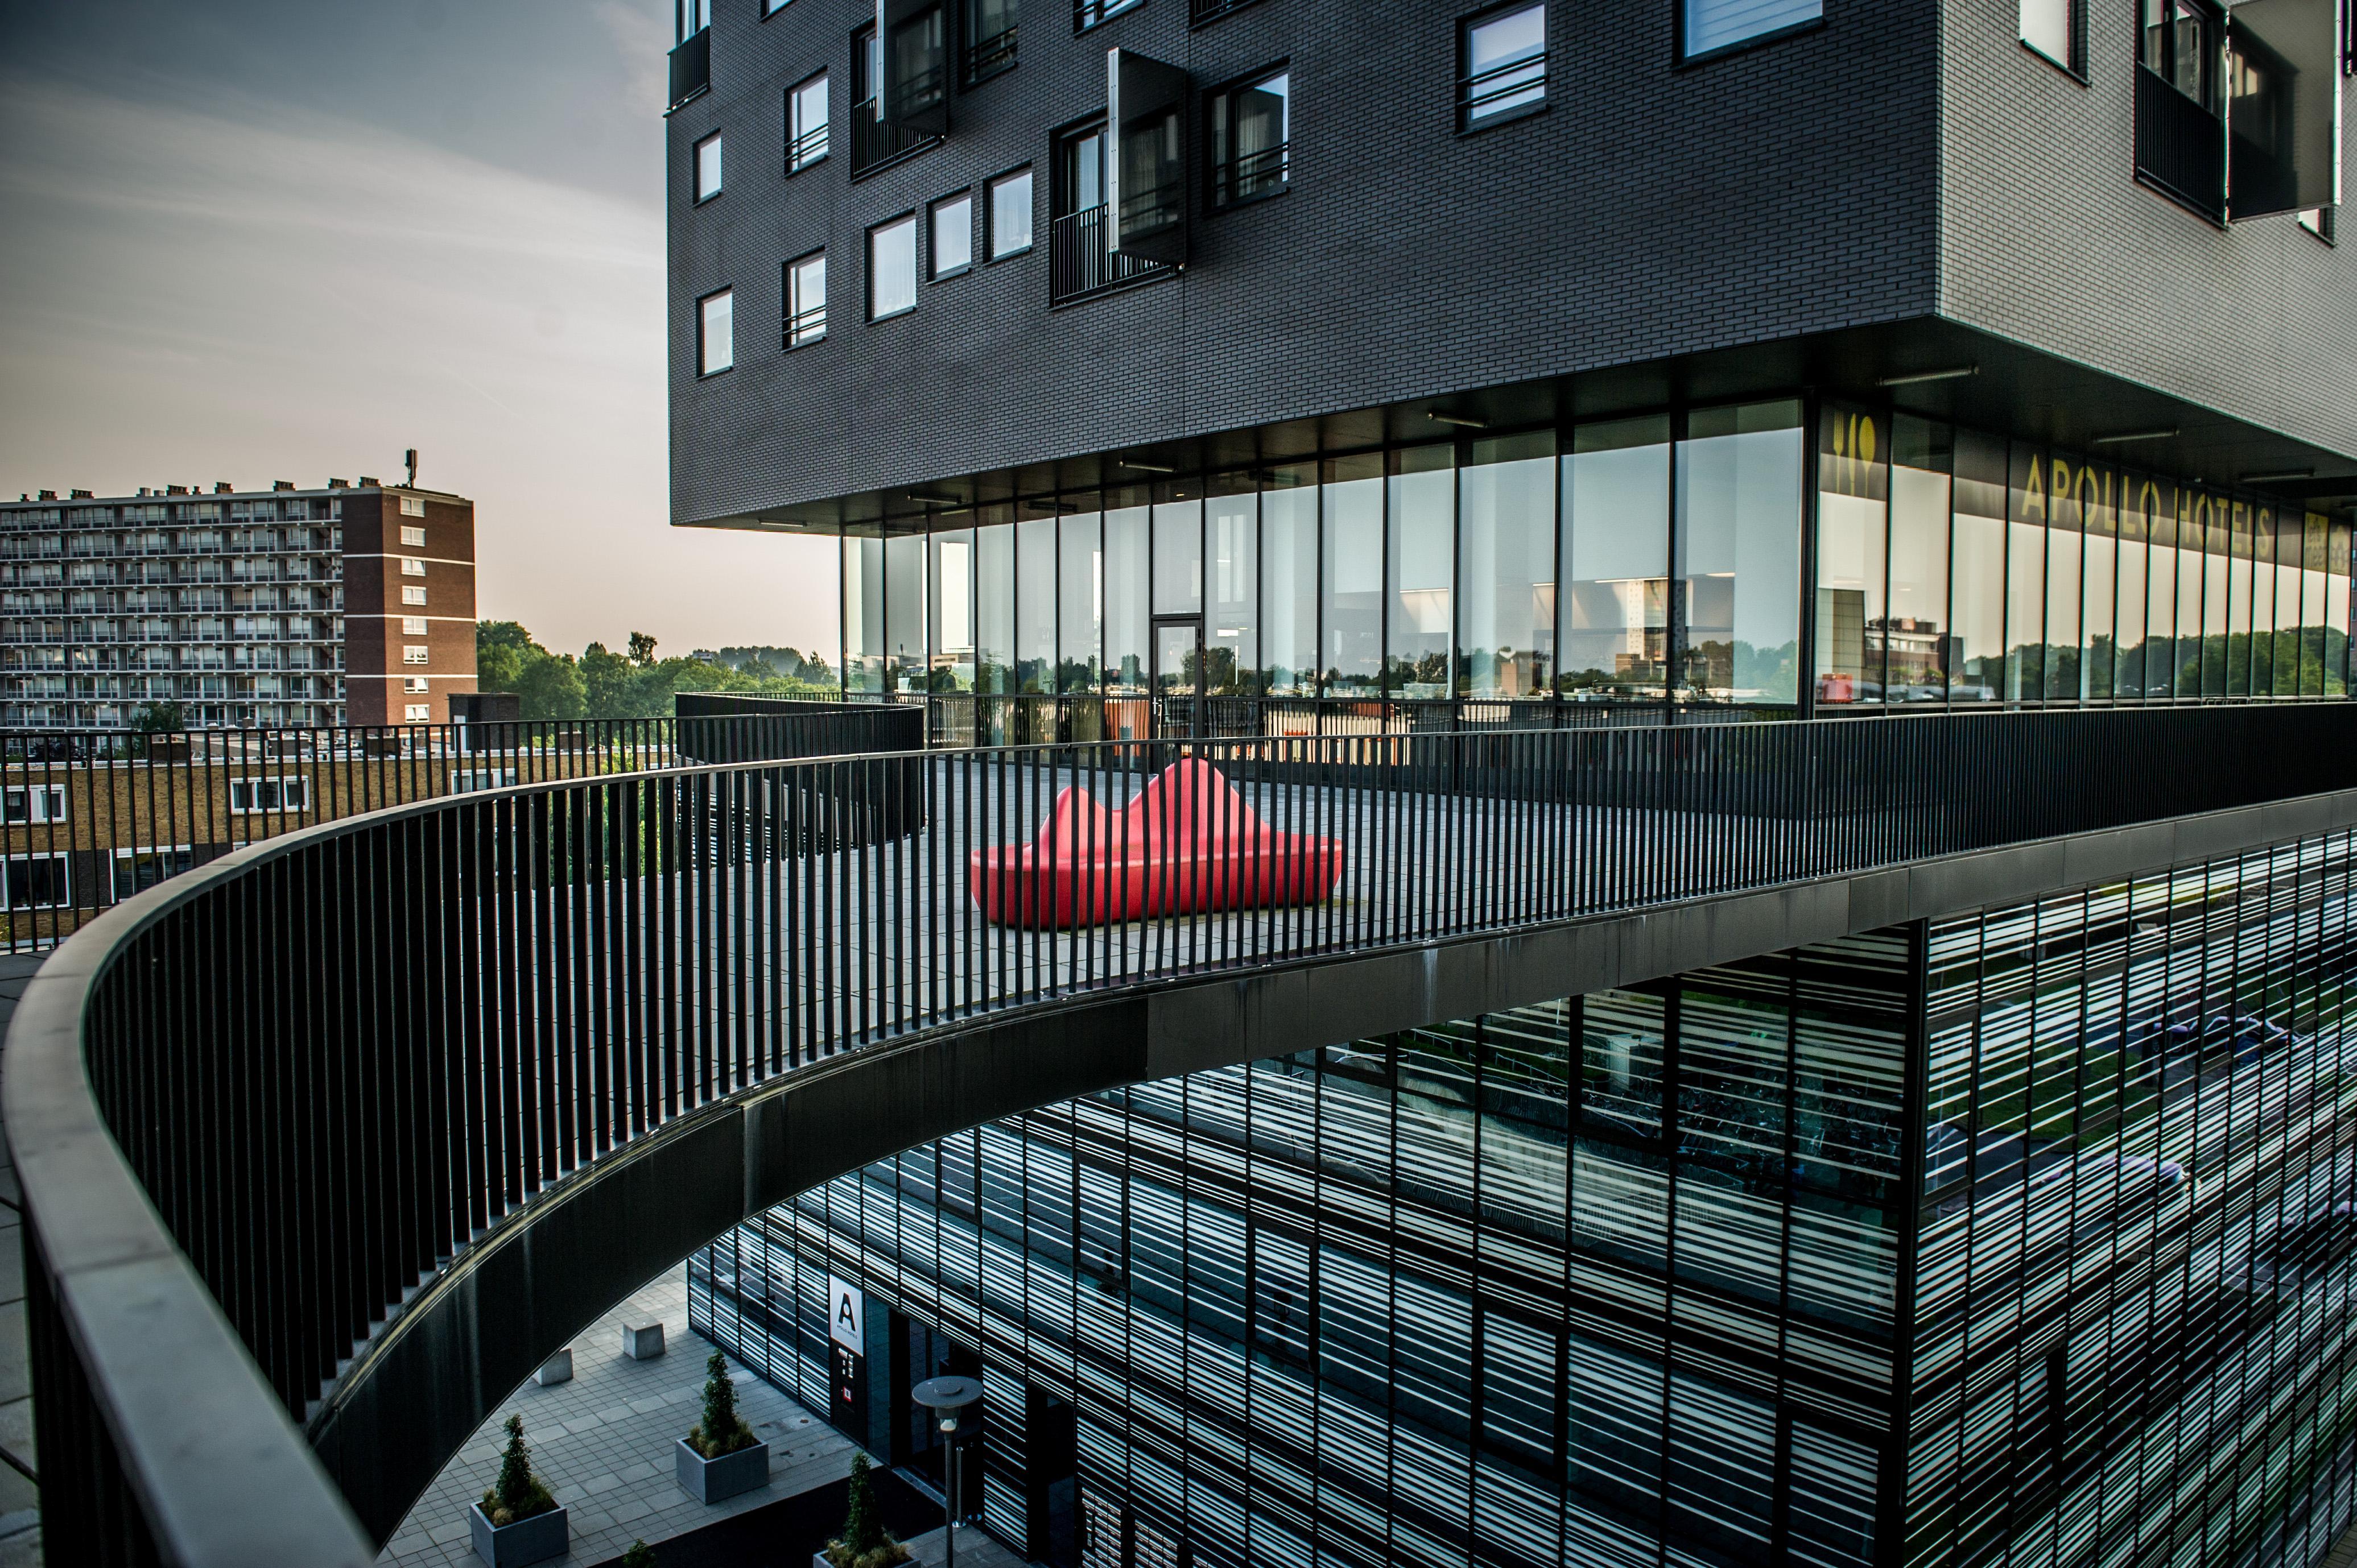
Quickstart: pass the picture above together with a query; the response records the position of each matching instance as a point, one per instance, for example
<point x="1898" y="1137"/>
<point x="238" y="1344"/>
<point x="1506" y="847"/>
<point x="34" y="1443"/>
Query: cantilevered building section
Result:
<point x="342" y="604"/>
<point x="1320" y="368"/>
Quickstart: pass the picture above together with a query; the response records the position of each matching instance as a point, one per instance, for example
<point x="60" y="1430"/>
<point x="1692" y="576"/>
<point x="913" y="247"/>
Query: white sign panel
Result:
<point x="843" y="1310"/>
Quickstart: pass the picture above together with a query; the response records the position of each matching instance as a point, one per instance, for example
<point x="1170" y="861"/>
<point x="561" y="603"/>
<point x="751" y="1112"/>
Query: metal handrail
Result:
<point x="218" y="1128"/>
<point x="1479" y="94"/>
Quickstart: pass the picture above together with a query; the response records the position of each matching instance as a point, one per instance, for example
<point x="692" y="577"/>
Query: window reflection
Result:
<point x="1506" y="543"/>
<point x="1353" y="576"/>
<point x="1289" y="582"/>
<point x="1615" y="545"/>
<point x="1739" y="551"/>
<point x="1418" y="562"/>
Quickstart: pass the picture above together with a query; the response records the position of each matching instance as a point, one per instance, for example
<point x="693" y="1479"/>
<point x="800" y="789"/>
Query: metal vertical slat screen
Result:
<point x="390" y="1035"/>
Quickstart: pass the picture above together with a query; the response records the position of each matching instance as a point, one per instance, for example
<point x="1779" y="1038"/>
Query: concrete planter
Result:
<point x="716" y="1480"/>
<point x="533" y="1539"/>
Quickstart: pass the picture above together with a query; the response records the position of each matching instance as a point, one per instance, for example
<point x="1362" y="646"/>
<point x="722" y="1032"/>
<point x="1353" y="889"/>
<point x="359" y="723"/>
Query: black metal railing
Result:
<point x="289" y="1092"/>
<point x="91" y="818"/>
<point x="1261" y="172"/>
<point x="806" y="149"/>
<point x="985" y="58"/>
<point x="1509" y="88"/>
<point x="2179" y="146"/>
<point x="691" y="68"/>
<point x="805" y="325"/>
<point x="1078" y="262"/>
<point x="1202" y="11"/>
<point x="874" y="143"/>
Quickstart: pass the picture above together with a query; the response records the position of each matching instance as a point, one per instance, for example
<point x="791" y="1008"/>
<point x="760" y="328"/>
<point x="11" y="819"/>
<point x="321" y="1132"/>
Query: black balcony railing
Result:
<point x="1261" y="172"/>
<point x="267" y="1114"/>
<point x="1503" y="90"/>
<point x="1202" y="11"/>
<point x="691" y="68"/>
<point x="873" y="144"/>
<point x="1079" y="264"/>
<point x="2179" y="146"/>
<point x="807" y="148"/>
<point x="985" y="58"/>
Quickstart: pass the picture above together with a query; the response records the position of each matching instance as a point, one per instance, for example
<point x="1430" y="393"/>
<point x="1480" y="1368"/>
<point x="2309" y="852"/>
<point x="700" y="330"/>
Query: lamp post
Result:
<point x="948" y="1398"/>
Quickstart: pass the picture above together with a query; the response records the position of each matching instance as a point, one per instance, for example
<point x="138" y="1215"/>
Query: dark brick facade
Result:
<point x="1652" y="212"/>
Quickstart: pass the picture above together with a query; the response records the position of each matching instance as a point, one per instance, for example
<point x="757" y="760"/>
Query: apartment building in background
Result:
<point x="343" y="605"/>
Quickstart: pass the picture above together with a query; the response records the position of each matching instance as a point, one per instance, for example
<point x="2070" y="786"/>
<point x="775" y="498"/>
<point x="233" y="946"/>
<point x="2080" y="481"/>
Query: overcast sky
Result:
<point x="254" y="240"/>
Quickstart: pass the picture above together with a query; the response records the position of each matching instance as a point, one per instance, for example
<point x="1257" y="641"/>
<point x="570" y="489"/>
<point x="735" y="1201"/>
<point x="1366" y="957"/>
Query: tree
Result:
<point x="639" y="1555"/>
<point x="519" y="1494"/>
<point x="508" y="659"/>
<point x="159" y="718"/>
<point x="864" y="1542"/>
<point x="643" y="648"/>
<point x="722" y="1431"/>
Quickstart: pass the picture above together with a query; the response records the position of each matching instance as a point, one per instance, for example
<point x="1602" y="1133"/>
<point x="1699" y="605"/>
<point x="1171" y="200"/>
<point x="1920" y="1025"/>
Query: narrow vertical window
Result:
<point x="1251" y="129"/>
<point x="952" y="235"/>
<point x="1087" y="13"/>
<point x="715" y="347"/>
<point x="806" y="124"/>
<point x="1010" y="214"/>
<point x="707" y="168"/>
<point x="806" y="300"/>
<point x="989" y="38"/>
<point x="1503" y="73"/>
<point x="892" y="268"/>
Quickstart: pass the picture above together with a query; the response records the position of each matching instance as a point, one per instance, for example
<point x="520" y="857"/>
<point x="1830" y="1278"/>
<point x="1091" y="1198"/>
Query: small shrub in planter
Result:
<point x="517" y="1522"/>
<point x="865" y="1542"/>
<point x="721" y="1458"/>
<point x="639" y="1555"/>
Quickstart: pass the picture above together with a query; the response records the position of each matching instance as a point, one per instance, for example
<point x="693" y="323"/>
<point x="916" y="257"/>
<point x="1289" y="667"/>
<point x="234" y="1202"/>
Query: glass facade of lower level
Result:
<point x="1769" y="553"/>
<point x="2022" y="1239"/>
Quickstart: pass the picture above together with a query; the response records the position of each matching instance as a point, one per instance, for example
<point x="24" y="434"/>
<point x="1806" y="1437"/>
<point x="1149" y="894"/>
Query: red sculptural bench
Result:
<point x="1188" y="845"/>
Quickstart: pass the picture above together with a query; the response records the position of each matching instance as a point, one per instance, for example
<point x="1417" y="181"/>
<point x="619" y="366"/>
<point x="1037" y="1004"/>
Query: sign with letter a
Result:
<point x="843" y="1310"/>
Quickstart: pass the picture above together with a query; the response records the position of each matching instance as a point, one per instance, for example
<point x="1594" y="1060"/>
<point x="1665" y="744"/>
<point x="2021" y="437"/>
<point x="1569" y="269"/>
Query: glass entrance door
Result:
<point x="1178" y="675"/>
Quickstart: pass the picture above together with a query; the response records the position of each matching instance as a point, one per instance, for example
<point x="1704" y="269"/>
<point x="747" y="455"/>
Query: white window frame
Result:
<point x="414" y="537"/>
<point x="412" y="626"/>
<point x="417" y="713"/>
<point x="412" y="595"/>
<point x="62" y="859"/>
<point x="32" y="805"/>
<point x="416" y="653"/>
<point x="411" y="566"/>
<point x="464" y="780"/>
<point x="128" y="860"/>
<point x="1529" y="94"/>
<point x="285" y="793"/>
<point x="413" y="506"/>
<point x="2039" y="22"/>
<point x="415" y="685"/>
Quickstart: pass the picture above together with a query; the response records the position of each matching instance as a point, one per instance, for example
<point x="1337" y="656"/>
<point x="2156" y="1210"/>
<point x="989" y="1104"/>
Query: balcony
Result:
<point x="1079" y="264"/>
<point x="691" y="69"/>
<point x="876" y="146"/>
<point x="2180" y="147"/>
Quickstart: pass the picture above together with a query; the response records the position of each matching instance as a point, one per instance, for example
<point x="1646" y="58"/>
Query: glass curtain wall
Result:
<point x="1547" y="1285"/>
<point x="1620" y="562"/>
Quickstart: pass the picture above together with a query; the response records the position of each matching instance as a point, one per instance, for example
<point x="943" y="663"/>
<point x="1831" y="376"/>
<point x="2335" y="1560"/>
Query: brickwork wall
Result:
<point x="373" y="641"/>
<point x="2048" y="239"/>
<point x="1650" y="210"/>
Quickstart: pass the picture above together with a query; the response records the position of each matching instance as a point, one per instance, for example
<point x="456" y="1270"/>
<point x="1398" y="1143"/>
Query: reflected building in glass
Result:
<point x="2020" y="1238"/>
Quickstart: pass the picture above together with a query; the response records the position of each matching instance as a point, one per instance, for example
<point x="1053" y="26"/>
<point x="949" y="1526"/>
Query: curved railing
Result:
<point x="265" y="1112"/>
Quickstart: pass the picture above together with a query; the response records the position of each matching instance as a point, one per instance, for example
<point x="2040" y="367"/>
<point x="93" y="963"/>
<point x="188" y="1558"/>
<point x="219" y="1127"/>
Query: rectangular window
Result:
<point x="415" y="653"/>
<point x="1853" y="569"/>
<point x="38" y="803"/>
<point x="1505" y="567"/>
<point x="1918" y="643"/>
<point x="39" y="882"/>
<point x="1249" y="127"/>
<point x="806" y="300"/>
<point x="1010" y="214"/>
<point x="952" y="235"/>
<point x="1615" y="547"/>
<point x="892" y="268"/>
<point x="413" y="506"/>
<point x="247" y="796"/>
<point x="416" y="683"/>
<point x="412" y="626"/>
<point x="1079" y="602"/>
<point x="2051" y="26"/>
<point x="1087" y="13"/>
<point x="2317" y="220"/>
<point x="1708" y="26"/>
<point x="1289" y="582"/>
<point x="806" y="124"/>
<point x="1419" y="559"/>
<point x="1127" y="610"/>
<point x="413" y="595"/>
<point x="1503" y="71"/>
<point x="1737" y="543"/>
<point x="716" y="341"/>
<point x="707" y="168"/>
<point x="989" y="38"/>
<point x="2025" y="579"/>
<point x="412" y="536"/>
<point x="1352" y="577"/>
<point x="417" y="713"/>
<point x="695" y="15"/>
<point x="411" y="566"/>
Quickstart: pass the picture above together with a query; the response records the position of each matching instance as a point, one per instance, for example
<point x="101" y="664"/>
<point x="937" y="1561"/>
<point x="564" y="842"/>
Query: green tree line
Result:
<point x="634" y="684"/>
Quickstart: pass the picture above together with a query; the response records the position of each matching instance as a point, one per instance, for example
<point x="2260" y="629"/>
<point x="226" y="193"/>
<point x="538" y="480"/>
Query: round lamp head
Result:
<point x="948" y="1395"/>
